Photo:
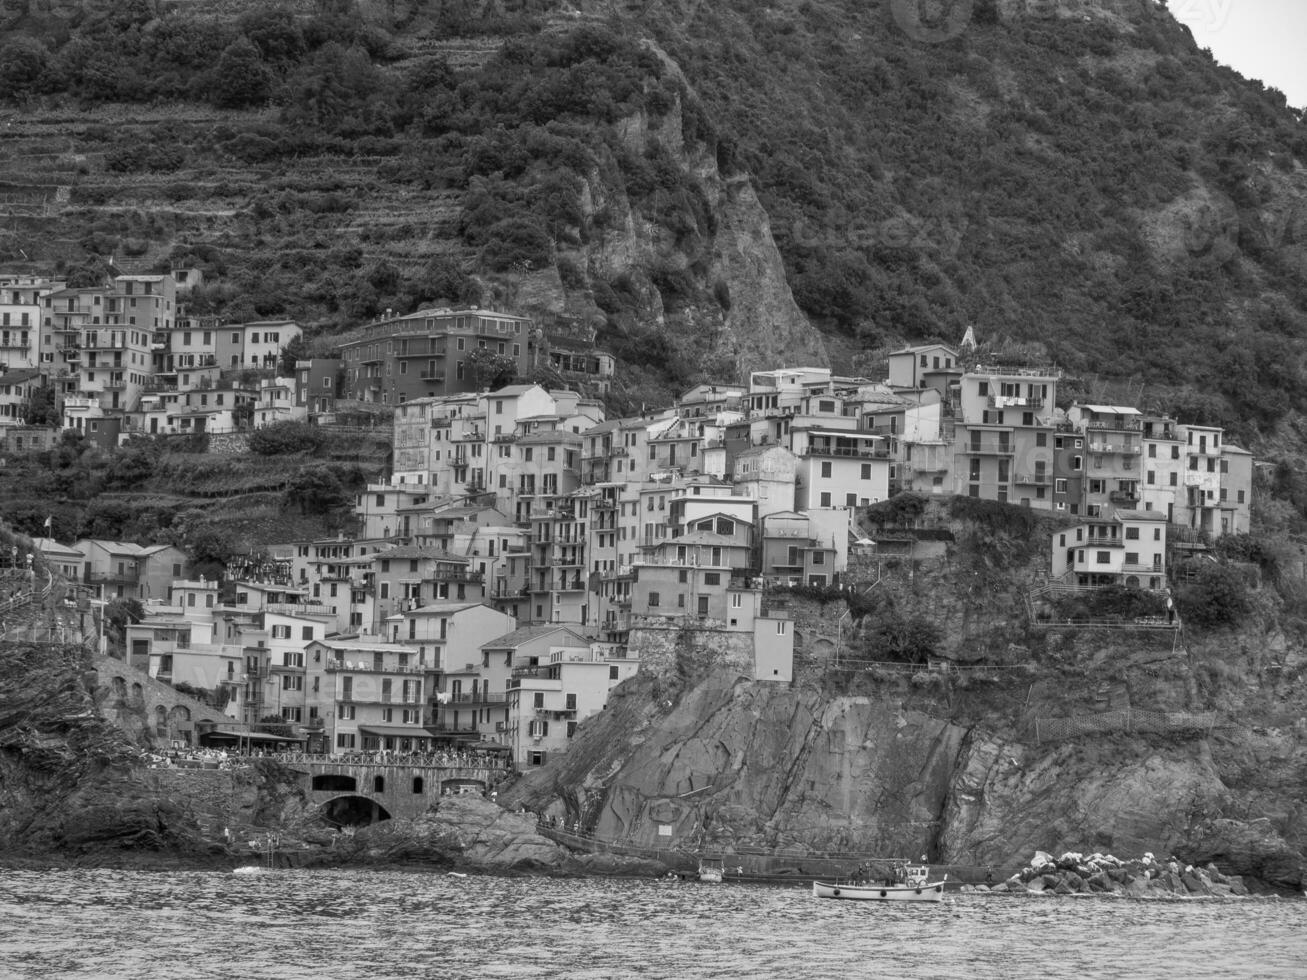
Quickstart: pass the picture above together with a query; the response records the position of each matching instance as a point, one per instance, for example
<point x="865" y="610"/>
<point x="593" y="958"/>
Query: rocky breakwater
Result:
<point x="1102" y="874"/>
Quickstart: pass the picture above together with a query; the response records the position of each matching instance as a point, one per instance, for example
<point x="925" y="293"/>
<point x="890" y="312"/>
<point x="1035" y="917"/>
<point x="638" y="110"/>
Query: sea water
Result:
<point x="335" y="925"/>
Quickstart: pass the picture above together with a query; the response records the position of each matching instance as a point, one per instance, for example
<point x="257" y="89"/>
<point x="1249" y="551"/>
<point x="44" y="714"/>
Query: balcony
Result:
<point x="1114" y="448"/>
<point x="1101" y="543"/>
<point x="1015" y="401"/>
<point x="1143" y="569"/>
<point x="129" y="576"/>
<point x="298" y="609"/>
<point x="1125" y="498"/>
<point x="1034" y="479"/>
<point x="478" y="698"/>
<point x="368" y="667"/>
<point x="454" y="575"/>
<point x="989" y="447"/>
<point x="846" y="452"/>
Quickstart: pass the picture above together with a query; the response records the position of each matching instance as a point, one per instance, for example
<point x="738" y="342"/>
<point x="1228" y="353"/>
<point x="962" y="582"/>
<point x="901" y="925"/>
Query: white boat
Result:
<point x="247" y="869"/>
<point x="914" y="885"/>
<point x="712" y="871"/>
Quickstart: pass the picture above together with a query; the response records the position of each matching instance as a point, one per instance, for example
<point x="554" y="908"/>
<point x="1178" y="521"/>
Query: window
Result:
<point x="1103" y="557"/>
<point x="825" y="470"/>
<point x="1132" y="534"/>
<point x="306" y="632"/>
<point x="825" y="500"/>
<point x="1059" y="486"/>
<point x="1132" y="558"/>
<point x="1041" y="438"/>
<point x="654" y="598"/>
<point x="712" y="578"/>
<point x="780" y="627"/>
<point x="866" y="471"/>
<point x="1077" y="462"/>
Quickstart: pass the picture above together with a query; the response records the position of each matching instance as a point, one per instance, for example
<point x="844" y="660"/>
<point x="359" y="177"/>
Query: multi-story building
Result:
<point x="16" y="389"/>
<point x="370" y="694"/>
<point x="317" y="385"/>
<point x="926" y="366"/>
<point x="1127" y="548"/>
<point x="124" y="570"/>
<point x="1004" y="431"/>
<point x="396" y="360"/>
<point x="23" y="342"/>
<point x="253" y="345"/>
<point x="475" y="696"/>
<point x="1113" y="452"/>
<point x="548" y="699"/>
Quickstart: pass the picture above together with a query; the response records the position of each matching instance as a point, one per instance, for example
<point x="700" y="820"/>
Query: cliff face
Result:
<point x="1061" y="739"/>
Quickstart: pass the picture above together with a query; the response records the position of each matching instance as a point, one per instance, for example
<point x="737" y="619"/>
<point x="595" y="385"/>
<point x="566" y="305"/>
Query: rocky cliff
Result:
<point x="1110" y="738"/>
<point x="75" y="787"/>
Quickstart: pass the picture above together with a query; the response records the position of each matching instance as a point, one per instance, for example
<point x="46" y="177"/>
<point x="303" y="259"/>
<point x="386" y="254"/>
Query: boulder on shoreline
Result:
<point x="1103" y="874"/>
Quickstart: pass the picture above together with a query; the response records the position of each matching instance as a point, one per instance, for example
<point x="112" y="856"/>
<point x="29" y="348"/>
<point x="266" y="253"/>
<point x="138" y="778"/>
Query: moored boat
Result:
<point x="712" y="871"/>
<point x="912" y="884"/>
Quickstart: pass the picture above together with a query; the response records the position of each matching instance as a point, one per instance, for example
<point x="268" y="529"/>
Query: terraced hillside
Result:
<point x="704" y="188"/>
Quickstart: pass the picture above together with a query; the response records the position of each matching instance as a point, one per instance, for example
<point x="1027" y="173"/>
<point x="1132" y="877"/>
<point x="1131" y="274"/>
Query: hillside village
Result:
<point x="527" y="553"/>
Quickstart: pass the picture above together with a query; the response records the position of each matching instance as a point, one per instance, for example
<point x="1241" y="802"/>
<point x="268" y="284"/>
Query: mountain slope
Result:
<point x="1075" y="175"/>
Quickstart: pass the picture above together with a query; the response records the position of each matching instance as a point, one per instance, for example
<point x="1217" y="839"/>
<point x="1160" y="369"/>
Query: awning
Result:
<point x="395" y="731"/>
<point x="235" y="737"/>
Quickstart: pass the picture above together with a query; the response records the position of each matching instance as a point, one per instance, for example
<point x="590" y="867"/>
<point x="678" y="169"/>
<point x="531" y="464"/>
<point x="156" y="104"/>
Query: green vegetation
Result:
<point x="282" y="438"/>
<point x="1218" y="595"/>
<point x="1100" y="190"/>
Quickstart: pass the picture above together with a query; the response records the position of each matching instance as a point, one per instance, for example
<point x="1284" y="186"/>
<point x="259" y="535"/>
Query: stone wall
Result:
<point x="154" y="713"/>
<point x="669" y="650"/>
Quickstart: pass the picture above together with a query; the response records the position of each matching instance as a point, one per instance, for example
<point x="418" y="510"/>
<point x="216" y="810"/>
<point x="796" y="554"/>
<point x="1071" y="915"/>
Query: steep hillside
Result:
<point x="1075" y="174"/>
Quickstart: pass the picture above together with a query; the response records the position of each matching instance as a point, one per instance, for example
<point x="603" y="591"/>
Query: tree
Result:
<point x="1216" y="596"/>
<point x="316" y="489"/>
<point x="210" y="548"/>
<point x="41" y="408"/>
<point x="23" y="64"/>
<point x="241" y="78"/>
<point x="118" y="615"/>
<point x="491" y="370"/>
<point x="297" y="349"/>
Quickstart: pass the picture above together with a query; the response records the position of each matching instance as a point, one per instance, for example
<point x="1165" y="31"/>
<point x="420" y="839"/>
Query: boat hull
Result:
<point x="932" y="891"/>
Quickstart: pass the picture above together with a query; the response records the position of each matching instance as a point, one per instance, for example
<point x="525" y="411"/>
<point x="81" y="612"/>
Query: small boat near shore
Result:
<point x="911" y="884"/>
<point x="713" y="872"/>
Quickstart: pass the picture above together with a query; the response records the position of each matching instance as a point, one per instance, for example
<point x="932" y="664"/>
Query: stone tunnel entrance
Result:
<point x="353" y="811"/>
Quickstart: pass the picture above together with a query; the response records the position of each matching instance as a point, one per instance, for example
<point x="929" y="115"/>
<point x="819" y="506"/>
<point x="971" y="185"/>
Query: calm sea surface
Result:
<point x="381" y="925"/>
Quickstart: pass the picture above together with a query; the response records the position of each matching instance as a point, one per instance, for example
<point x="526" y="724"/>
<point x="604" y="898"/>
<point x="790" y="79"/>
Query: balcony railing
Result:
<point x="1122" y="448"/>
<point x="126" y="577"/>
<point x="299" y="609"/>
<point x="1123" y="497"/>
<point x="989" y="447"/>
<point x="846" y="452"/>
<point x="368" y="667"/>
<point x="454" y="575"/>
<point x="1015" y="401"/>
<point x="480" y="697"/>
<point x="1034" y="479"/>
